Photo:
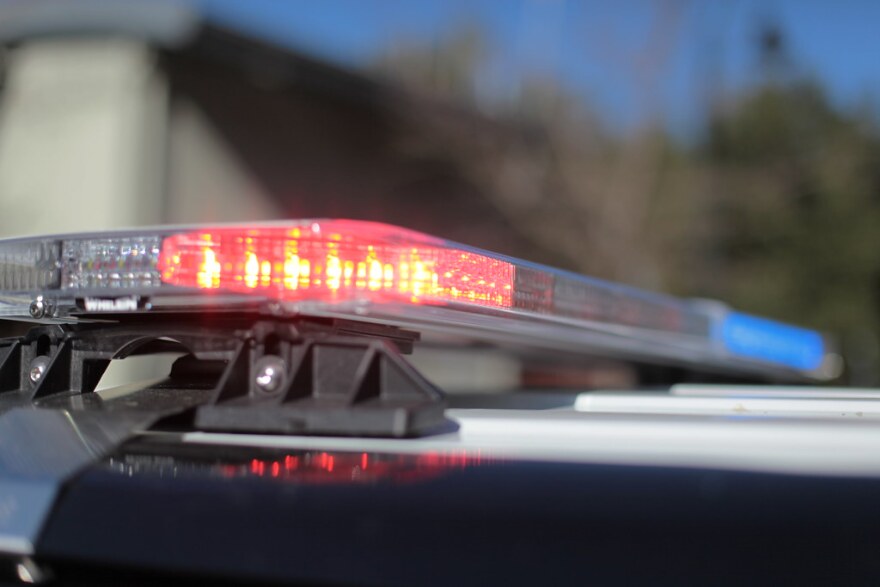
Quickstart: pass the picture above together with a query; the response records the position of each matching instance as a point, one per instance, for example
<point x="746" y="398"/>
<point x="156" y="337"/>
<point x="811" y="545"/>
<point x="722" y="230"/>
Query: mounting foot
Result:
<point x="286" y="377"/>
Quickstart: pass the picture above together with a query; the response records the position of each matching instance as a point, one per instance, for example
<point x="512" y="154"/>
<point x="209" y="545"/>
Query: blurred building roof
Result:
<point x="223" y="125"/>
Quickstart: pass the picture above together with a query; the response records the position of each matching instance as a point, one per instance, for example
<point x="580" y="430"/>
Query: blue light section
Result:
<point x="766" y="340"/>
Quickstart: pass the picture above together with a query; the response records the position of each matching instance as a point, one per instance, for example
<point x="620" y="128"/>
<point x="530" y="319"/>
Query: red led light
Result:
<point x="335" y="260"/>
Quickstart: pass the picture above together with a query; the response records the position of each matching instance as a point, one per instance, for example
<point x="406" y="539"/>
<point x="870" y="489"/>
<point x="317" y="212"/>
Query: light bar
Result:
<point x="375" y="272"/>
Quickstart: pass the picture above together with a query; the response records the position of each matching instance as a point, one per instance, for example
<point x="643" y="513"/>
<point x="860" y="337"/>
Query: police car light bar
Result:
<point x="378" y="273"/>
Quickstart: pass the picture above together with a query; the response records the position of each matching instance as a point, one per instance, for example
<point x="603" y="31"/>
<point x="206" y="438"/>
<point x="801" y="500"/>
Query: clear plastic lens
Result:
<point x="29" y="266"/>
<point x="334" y="261"/>
<point x="583" y="299"/>
<point x="369" y="271"/>
<point x="119" y="263"/>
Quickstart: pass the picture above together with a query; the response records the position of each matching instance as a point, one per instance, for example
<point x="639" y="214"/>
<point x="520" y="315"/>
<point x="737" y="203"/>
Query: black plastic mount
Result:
<point x="286" y="376"/>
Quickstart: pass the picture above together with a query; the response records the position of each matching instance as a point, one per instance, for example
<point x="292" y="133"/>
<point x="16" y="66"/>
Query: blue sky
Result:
<point x="630" y="60"/>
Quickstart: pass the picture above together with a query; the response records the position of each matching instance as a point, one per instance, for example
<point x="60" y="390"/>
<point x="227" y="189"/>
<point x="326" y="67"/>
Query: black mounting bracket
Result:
<point x="292" y="376"/>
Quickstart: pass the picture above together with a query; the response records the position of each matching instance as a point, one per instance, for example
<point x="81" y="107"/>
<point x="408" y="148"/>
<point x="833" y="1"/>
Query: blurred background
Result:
<point x="726" y="150"/>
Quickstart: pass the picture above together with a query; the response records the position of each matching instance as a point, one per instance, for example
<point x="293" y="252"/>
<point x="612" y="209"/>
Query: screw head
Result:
<point x="270" y="372"/>
<point x="38" y="368"/>
<point x="38" y="308"/>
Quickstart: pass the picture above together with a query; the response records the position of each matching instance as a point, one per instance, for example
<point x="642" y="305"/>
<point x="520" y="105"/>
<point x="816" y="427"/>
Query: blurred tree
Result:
<point x="776" y="211"/>
<point x="559" y="179"/>
<point x="795" y="214"/>
<point x="447" y="69"/>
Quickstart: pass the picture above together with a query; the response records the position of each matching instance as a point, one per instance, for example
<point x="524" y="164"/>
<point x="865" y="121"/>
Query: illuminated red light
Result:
<point x="335" y="260"/>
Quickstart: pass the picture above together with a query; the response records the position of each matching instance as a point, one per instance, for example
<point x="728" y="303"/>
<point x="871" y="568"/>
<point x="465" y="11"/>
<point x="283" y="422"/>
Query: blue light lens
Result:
<point x="771" y="341"/>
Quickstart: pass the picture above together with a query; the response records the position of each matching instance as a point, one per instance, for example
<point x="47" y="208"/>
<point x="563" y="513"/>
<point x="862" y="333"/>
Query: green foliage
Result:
<point x="798" y="210"/>
<point x="776" y="212"/>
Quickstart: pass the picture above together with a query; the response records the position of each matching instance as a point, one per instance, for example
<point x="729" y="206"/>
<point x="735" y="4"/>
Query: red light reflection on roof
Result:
<point x="325" y="467"/>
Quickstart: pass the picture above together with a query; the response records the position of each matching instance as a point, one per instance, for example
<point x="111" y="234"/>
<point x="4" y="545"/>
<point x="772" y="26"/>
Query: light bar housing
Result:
<point x="374" y="272"/>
